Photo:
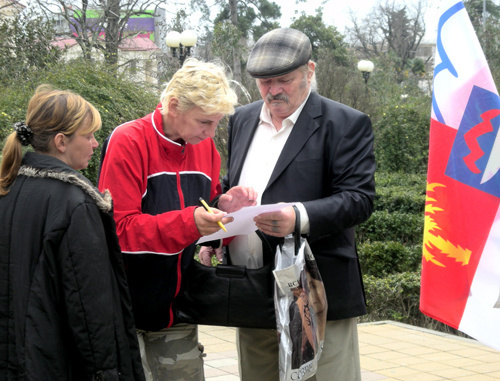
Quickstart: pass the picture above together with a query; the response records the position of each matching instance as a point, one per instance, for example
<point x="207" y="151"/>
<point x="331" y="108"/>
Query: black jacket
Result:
<point x="328" y="165"/>
<point x="65" y="310"/>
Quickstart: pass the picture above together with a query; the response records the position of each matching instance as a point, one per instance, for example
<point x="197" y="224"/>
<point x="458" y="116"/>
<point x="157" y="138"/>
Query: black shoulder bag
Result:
<point x="229" y="295"/>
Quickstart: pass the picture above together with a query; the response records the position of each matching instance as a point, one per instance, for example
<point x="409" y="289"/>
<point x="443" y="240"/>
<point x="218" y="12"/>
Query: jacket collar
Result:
<point x="37" y="165"/>
<point x="157" y="121"/>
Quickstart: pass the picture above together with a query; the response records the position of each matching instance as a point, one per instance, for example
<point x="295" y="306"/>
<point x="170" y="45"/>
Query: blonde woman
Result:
<point x="66" y="312"/>
<point x="157" y="167"/>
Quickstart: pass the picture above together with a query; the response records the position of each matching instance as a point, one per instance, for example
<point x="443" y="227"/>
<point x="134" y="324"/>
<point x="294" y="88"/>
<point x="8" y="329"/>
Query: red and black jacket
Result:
<point x="156" y="184"/>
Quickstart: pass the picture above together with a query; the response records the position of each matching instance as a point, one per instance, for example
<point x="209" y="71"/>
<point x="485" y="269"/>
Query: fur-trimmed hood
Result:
<point x="43" y="166"/>
<point x="103" y="201"/>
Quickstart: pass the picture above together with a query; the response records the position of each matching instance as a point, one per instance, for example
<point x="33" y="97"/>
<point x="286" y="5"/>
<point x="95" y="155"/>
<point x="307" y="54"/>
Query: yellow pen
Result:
<point x="207" y="208"/>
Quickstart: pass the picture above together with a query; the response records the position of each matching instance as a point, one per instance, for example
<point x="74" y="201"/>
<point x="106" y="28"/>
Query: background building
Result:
<point x="10" y="8"/>
<point x="138" y="51"/>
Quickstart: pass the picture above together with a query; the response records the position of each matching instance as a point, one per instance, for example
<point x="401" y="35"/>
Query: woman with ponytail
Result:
<point x="64" y="301"/>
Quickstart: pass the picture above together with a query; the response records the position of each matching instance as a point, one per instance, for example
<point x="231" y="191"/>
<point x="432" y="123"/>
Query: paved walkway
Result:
<point x="389" y="351"/>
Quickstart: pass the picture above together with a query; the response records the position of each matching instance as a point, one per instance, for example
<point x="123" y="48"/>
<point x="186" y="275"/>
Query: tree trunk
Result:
<point x="112" y="18"/>
<point x="236" y="57"/>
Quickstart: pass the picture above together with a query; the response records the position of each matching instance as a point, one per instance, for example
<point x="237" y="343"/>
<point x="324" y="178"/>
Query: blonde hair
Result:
<point x="49" y="112"/>
<point x="200" y="84"/>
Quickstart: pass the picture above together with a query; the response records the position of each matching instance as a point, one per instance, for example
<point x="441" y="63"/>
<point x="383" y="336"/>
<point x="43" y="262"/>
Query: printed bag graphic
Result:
<point x="301" y="307"/>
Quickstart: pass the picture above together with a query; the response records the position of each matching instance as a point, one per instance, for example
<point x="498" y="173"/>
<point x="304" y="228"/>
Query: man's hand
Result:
<point x="236" y="198"/>
<point x="206" y="254"/>
<point x="277" y="224"/>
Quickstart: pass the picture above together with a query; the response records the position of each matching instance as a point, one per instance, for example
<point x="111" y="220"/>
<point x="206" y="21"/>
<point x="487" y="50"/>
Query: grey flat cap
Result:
<point x="279" y="52"/>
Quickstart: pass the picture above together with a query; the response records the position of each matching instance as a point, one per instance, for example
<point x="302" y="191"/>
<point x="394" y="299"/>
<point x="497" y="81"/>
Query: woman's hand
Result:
<point x="206" y="254"/>
<point x="206" y="222"/>
<point x="236" y="198"/>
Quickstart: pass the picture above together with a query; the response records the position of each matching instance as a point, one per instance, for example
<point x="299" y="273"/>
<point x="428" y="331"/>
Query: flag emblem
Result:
<point x="472" y="160"/>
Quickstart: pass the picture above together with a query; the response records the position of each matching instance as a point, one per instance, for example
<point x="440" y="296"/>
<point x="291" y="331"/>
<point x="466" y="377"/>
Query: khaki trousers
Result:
<point x="258" y="353"/>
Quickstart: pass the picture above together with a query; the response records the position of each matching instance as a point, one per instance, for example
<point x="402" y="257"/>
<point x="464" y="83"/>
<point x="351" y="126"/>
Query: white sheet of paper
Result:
<point x="243" y="221"/>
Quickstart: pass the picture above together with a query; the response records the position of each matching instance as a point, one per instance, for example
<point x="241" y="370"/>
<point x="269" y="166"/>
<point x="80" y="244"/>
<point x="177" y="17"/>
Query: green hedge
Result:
<point x="389" y="257"/>
<point x="402" y="136"/>
<point x="414" y="181"/>
<point x="390" y="250"/>
<point x="399" y="198"/>
<point x="394" y="297"/>
<point x="12" y="108"/>
<point x="406" y="228"/>
<point x="400" y="192"/>
<point x="117" y="98"/>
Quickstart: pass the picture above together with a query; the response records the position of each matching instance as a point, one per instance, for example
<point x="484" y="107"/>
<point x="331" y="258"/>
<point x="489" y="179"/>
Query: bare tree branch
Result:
<point x="390" y="28"/>
<point x="107" y="28"/>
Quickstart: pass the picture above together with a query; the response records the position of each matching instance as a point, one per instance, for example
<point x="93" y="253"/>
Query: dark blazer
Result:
<point x="328" y="165"/>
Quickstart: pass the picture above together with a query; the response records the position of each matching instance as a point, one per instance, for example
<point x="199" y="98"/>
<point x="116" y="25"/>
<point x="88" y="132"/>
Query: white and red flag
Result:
<point x="461" y="256"/>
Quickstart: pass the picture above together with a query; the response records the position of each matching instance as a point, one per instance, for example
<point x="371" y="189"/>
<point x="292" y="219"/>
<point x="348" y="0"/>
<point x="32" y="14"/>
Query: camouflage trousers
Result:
<point x="172" y="354"/>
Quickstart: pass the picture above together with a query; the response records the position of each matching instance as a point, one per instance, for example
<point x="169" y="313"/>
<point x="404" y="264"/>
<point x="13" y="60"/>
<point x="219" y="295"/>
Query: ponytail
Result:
<point x="12" y="155"/>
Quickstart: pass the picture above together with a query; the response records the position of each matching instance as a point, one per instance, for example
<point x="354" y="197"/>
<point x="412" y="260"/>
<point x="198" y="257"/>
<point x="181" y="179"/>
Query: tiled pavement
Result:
<point x="389" y="351"/>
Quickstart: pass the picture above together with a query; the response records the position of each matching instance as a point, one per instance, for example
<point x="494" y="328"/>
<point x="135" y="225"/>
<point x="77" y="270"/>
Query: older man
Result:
<point x="297" y="146"/>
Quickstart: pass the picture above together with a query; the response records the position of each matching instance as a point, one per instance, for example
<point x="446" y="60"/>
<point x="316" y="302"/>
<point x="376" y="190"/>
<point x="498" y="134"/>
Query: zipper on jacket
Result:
<point x="179" y="259"/>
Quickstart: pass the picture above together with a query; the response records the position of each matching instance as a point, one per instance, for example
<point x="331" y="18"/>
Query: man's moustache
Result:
<point x="277" y="97"/>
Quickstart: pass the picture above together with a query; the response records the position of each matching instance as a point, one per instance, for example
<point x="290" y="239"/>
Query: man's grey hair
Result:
<point x="305" y="69"/>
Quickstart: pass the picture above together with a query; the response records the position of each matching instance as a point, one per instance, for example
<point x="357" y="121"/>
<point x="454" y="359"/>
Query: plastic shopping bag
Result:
<point x="301" y="307"/>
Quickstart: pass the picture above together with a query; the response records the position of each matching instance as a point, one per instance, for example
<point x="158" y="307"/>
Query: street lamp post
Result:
<point x="183" y="41"/>
<point x="365" y="67"/>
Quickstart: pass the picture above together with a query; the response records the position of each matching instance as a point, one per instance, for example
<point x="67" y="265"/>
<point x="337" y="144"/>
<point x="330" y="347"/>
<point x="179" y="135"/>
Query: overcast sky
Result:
<point x="336" y="12"/>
